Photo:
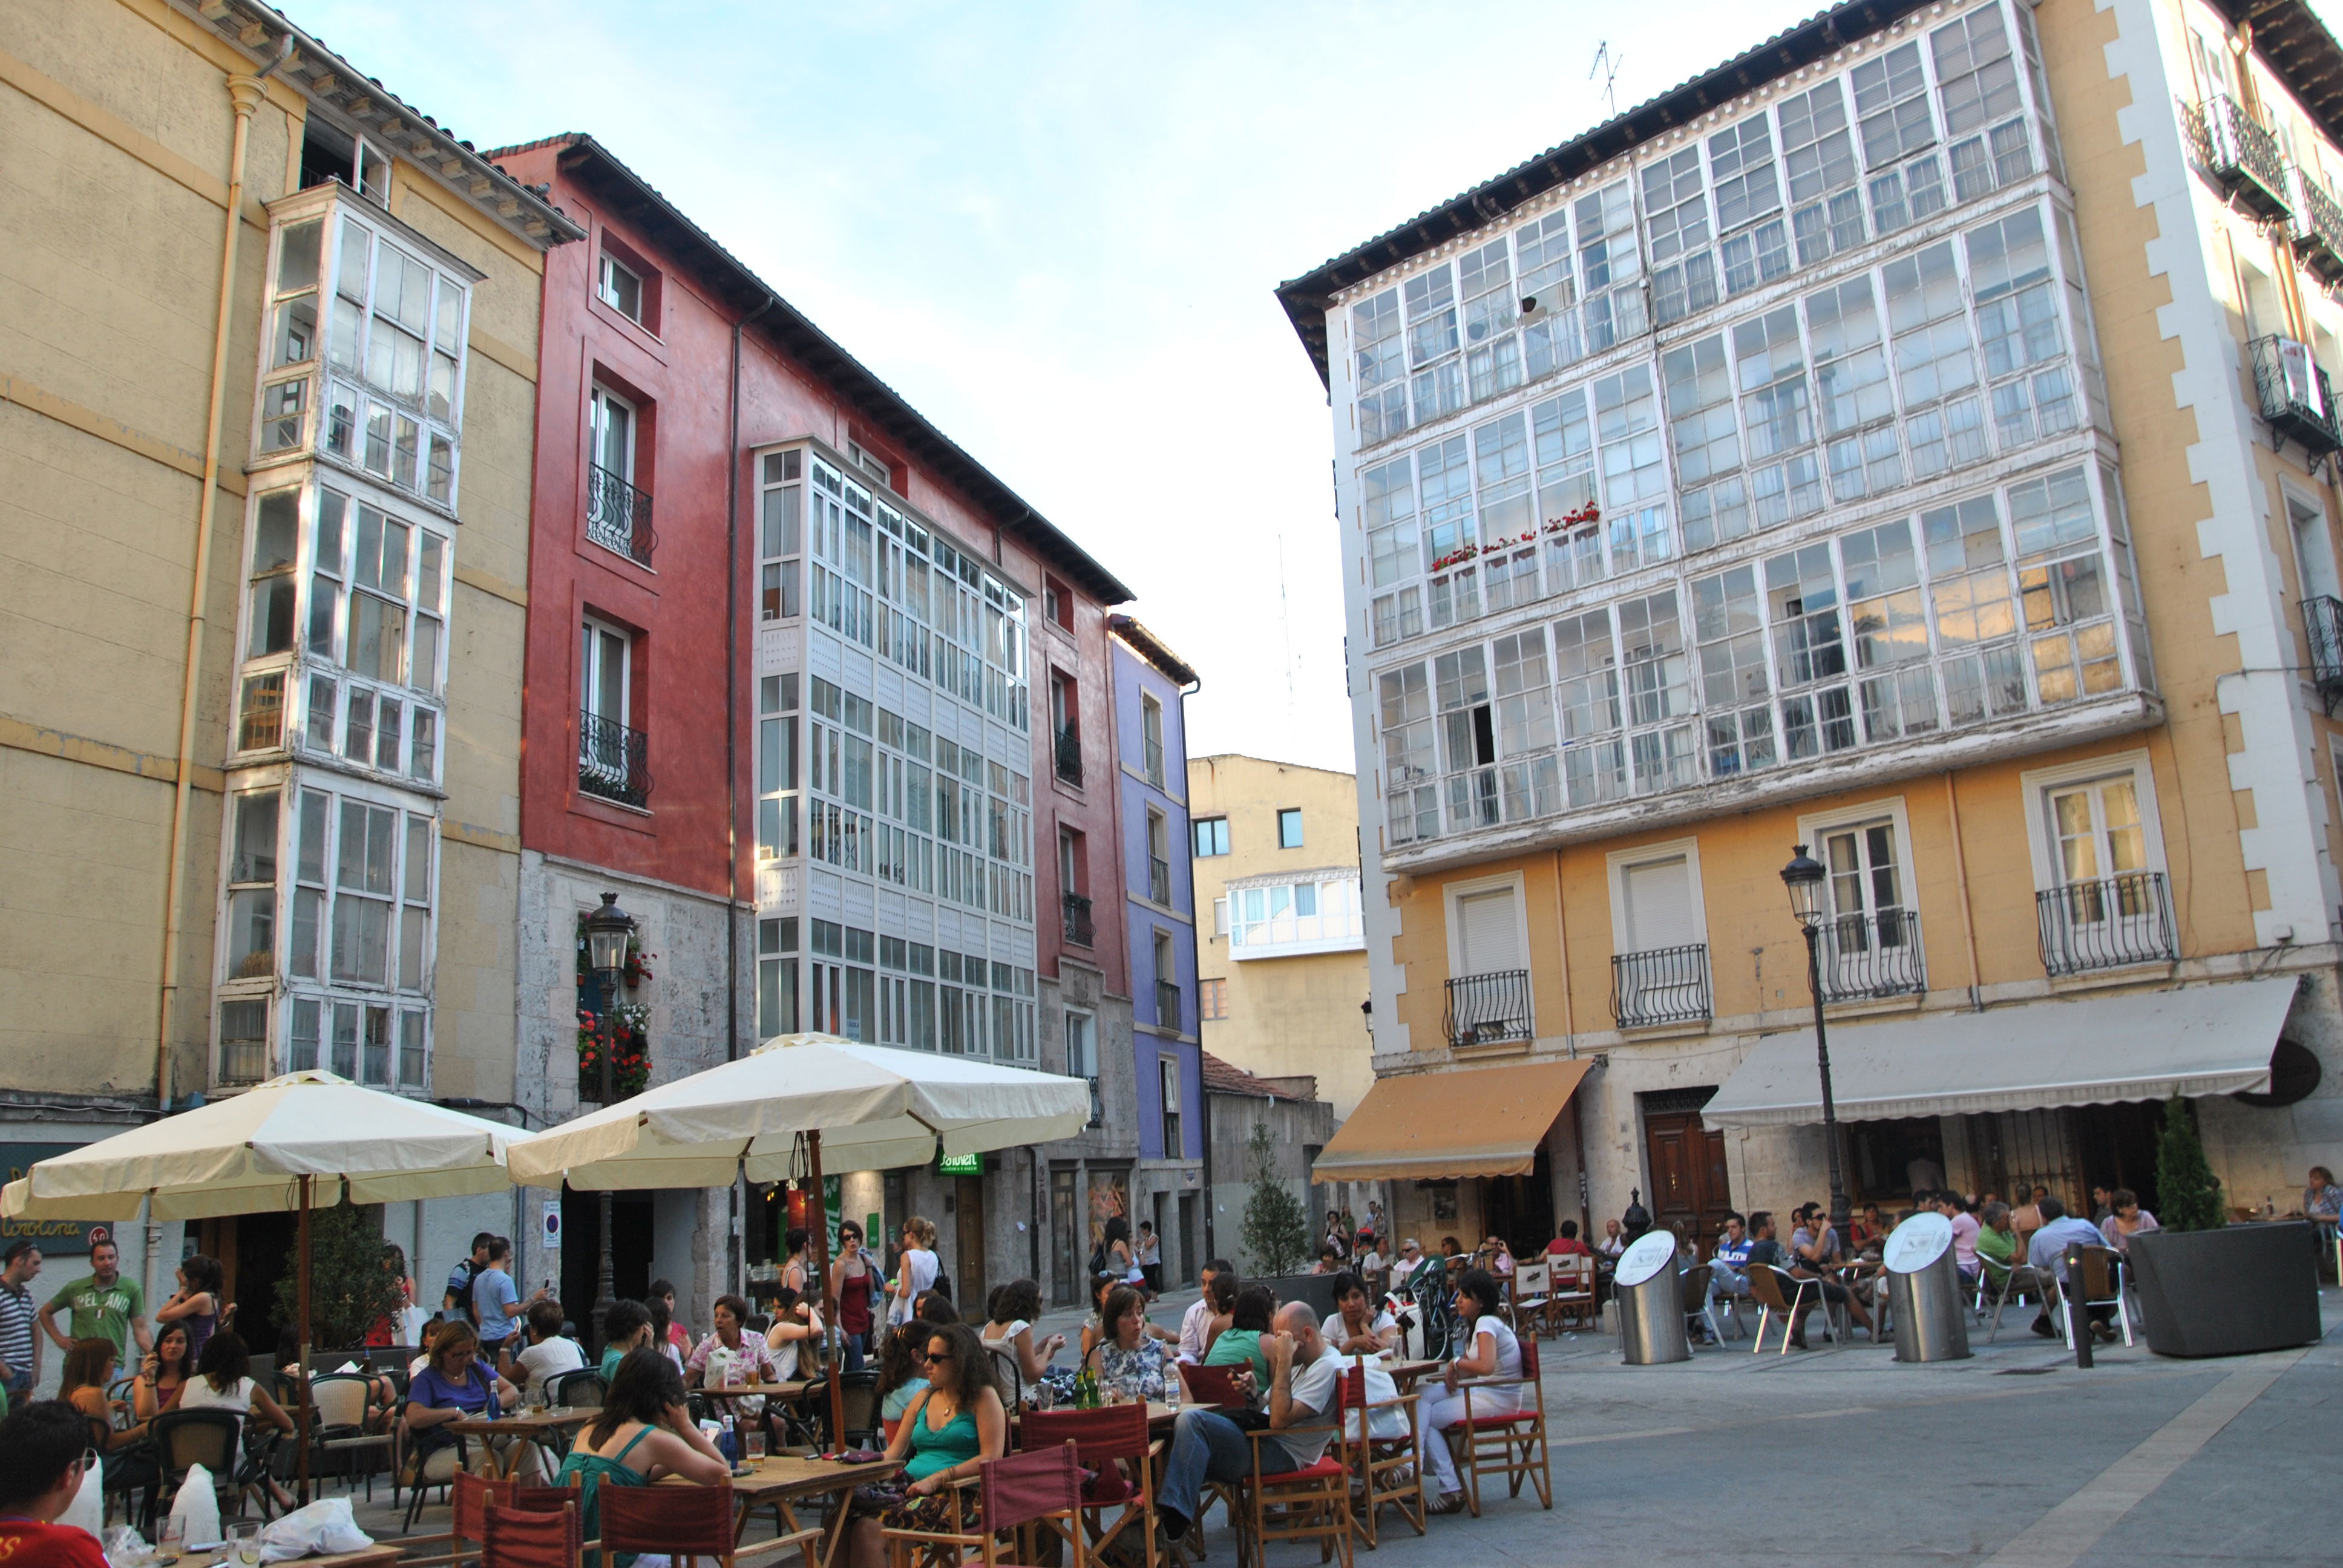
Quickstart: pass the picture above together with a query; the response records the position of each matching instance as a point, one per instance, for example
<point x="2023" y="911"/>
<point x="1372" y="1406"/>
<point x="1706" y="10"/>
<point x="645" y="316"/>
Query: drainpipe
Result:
<point x="244" y="93"/>
<point x="731" y="766"/>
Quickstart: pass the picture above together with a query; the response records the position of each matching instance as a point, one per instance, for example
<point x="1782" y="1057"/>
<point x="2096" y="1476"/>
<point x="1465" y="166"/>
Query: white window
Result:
<point x="1279" y="919"/>
<point x="1870" y="943"/>
<point x="619" y="287"/>
<point x="1551" y="337"/>
<point x="1675" y="209"/>
<point x="609" y="760"/>
<point x="1985" y="125"/>
<point x="378" y="608"/>
<point x="2314" y="548"/>
<point x="610" y="434"/>
<point x="1818" y="155"/>
<point x="1488" y="992"/>
<point x="1655" y="900"/>
<point x="1436" y="370"/>
<point x="776" y="769"/>
<point x="1381" y="367"/>
<point x="1935" y="369"/>
<point x="1167" y="1071"/>
<point x="1489" y="936"/>
<point x="2099" y="855"/>
<point x="1610" y="266"/>
<point x="1493" y="354"/>
<point x="1082" y="1059"/>
<point x="1748" y="193"/>
<point x="1151" y="737"/>
<point x="1907" y="178"/>
<point x="1660" y="954"/>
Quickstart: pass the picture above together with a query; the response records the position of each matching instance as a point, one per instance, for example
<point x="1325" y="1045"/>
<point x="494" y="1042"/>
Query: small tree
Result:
<point x="2188" y="1196"/>
<point x="349" y="1290"/>
<point x="1276" y="1231"/>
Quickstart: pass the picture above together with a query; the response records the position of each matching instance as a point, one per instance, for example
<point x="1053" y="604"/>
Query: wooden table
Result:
<point x="784" y="1391"/>
<point x="782" y="1481"/>
<point x="529" y="1427"/>
<point x="1407" y="1375"/>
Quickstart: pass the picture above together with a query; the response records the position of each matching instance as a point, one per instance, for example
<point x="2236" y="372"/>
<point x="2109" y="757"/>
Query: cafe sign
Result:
<point x="50" y="1235"/>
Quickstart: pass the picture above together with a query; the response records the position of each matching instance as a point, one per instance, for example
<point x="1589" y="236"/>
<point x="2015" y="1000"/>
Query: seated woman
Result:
<point x="224" y="1380"/>
<point x="644" y="1433"/>
<point x="958" y="1423"/>
<point x="165" y="1373"/>
<point x="1091" y="1332"/>
<point x="794" y="1341"/>
<point x="1493" y="1353"/>
<point x="2125" y="1220"/>
<point x="454" y="1385"/>
<point x="625" y="1327"/>
<point x="902" y="1368"/>
<point x="1221" y="1292"/>
<point x="751" y="1356"/>
<point x="1010" y="1335"/>
<point x="88" y="1369"/>
<point x="935" y="1305"/>
<point x="1867" y="1231"/>
<point x="1130" y="1364"/>
<point x="1239" y="1345"/>
<point x="1360" y="1327"/>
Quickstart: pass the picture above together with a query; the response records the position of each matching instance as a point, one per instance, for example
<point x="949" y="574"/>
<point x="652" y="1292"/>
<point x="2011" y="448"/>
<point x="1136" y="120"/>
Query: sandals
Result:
<point x="1446" y="1502"/>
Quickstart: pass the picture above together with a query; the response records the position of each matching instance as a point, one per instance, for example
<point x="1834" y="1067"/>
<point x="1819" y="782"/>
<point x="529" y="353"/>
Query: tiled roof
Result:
<point x="1224" y="1077"/>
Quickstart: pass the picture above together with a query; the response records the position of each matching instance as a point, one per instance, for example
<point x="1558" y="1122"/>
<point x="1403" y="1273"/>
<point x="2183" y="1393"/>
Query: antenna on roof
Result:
<point x="1606" y="65"/>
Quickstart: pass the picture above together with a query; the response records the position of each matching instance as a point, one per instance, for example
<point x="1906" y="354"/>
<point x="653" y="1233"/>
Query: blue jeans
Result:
<point x="1208" y="1446"/>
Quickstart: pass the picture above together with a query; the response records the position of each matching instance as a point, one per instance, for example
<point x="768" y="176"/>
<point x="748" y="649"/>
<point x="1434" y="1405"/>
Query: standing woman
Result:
<point x="852" y="1282"/>
<point x="1494" y="1354"/>
<point x="915" y="1269"/>
<point x="1121" y="1261"/>
<point x="796" y="1274"/>
<point x="388" y="1327"/>
<point x="196" y="1303"/>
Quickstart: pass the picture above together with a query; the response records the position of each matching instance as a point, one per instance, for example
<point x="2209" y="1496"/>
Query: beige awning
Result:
<point x="1481" y="1121"/>
<point x="2096" y="1050"/>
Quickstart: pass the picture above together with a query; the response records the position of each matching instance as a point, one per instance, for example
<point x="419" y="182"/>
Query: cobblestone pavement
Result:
<point x="2014" y="1458"/>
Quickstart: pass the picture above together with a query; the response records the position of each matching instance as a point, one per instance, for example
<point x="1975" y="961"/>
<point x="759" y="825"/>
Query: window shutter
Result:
<point x="1659" y="906"/>
<point x="1490" y="943"/>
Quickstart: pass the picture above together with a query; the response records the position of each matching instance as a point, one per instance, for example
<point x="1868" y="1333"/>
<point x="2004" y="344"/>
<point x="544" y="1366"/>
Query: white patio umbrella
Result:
<point x="295" y="1142"/>
<point x="863" y="1107"/>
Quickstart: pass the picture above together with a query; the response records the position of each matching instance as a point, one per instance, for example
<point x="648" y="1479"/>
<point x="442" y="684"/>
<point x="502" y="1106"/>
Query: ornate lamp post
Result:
<point x="1804" y="877"/>
<point x="607" y="932"/>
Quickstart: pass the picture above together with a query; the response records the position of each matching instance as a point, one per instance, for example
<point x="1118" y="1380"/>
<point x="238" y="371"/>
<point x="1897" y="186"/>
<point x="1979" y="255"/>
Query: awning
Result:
<point x="2206" y="1040"/>
<point x="1482" y="1121"/>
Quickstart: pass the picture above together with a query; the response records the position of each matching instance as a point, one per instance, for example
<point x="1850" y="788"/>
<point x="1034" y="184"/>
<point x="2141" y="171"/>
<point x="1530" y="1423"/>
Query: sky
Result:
<point x="1055" y="229"/>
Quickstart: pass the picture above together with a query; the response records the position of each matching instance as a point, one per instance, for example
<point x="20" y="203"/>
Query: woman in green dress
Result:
<point x="946" y="1435"/>
<point x="644" y="1431"/>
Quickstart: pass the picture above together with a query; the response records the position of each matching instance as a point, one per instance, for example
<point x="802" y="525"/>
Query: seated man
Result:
<point x="44" y="1447"/>
<point x="2045" y="1254"/>
<point x="1566" y="1244"/>
<point x="1207" y="1445"/>
<point x="1767" y="1253"/>
<point x="1728" y="1271"/>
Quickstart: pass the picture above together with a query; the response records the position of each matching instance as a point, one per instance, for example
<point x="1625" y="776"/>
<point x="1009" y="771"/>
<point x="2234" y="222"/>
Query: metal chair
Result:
<point x="1383" y="1469"/>
<point x="2018" y="1279"/>
<point x="1511" y="1444"/>
<point x="2102" y="1286"/>
<point x="337" y="1433"/>
<point x="1765" y="1285"/>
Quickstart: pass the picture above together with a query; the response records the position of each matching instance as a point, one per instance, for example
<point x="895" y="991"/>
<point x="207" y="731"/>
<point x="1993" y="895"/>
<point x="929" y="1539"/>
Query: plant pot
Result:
<point x="2227" y="1293"/>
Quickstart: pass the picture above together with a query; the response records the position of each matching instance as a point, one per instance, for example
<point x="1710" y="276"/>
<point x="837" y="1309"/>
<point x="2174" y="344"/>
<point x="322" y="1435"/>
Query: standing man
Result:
<point x="104" y="1304"/>
<point x="497" y="1303"/>
<point x="20" y="1347"/>
<point x="457" y="1304"/>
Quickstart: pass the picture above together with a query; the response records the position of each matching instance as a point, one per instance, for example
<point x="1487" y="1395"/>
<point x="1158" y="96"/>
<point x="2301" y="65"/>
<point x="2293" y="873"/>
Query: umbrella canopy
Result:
<point x="246" y="1155"/>
<point x="874" y="1107"/>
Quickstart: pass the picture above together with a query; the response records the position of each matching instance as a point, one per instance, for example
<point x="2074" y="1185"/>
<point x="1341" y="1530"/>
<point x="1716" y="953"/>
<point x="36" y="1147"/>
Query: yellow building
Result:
<point x="267" y="342"/>
<point x="1283" y="968"/>
<point x="1909" y="440"/>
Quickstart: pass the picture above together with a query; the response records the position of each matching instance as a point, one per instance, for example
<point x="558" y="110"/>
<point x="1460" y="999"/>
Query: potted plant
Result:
<point x="2207" y="1288"/>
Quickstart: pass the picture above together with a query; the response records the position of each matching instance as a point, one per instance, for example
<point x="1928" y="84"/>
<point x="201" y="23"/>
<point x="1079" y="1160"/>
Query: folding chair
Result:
<point x="1215" y="1388"/>
<point x="1570" y="1291"/>
<point x="471" y="1496"/>
<point x="525" y="1538"/>
<point x="685" y="1522"/>
<point x="1106" y="1442"/>
<point x="1765" y="1286"/>
<point x="1312" y="1503"/>
<point x="1511" y="1444"/>
<point x="1533" y="1294"/>
<point x="1383" y="1469"/>
<point x="1041" y="1487"/>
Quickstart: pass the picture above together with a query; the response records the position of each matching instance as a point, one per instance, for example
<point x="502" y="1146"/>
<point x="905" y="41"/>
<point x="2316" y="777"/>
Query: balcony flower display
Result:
<point x="1588" y="513"/>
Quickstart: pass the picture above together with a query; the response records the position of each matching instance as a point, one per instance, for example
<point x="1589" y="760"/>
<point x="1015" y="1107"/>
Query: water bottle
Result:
<point x="728" y="1445"/>
<point x="1172" y="1391"/>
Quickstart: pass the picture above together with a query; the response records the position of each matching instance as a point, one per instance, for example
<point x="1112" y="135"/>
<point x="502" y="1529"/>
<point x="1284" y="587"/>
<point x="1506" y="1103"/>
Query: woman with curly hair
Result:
<point x="947" y="1434"/>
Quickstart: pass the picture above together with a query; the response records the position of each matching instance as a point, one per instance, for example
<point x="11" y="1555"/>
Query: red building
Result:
<point x="827" y="706"/>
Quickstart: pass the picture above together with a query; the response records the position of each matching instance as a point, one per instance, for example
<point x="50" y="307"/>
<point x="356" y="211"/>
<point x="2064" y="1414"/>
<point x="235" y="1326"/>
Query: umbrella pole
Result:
<point x="301" y="1417"/>
<point x="820" y="1227"/>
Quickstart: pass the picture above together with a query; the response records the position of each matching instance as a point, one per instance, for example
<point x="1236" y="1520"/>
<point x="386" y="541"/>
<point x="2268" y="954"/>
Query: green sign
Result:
<point x="960" y="1165"/>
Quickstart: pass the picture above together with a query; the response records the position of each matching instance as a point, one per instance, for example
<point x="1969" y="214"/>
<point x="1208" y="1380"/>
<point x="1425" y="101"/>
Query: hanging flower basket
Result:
<point x="625" y="1033"/>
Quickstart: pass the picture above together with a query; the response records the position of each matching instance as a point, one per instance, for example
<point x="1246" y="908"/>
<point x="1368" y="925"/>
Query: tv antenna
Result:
<point x="1606" y="65"/>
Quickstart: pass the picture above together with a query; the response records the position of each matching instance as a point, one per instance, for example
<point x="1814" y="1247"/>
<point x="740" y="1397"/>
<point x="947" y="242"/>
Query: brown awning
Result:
<point x="1477" y="1121"/>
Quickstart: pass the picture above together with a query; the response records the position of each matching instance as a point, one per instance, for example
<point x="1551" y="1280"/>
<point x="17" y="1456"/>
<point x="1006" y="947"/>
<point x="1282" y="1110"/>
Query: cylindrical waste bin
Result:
<point x="1651" y="1302"/>
<point x="1924" y="1292"/>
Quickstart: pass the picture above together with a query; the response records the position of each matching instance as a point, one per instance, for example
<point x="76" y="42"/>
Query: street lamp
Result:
<point x="1803" y="878"/>
<point x="607" y="929"/>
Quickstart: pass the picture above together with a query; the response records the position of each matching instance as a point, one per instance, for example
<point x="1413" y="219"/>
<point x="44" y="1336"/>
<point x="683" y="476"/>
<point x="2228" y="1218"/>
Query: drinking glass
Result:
<point x="244" y="1542"/>
<point x="755" y="1438"/>
<point x="172" y="1544"/>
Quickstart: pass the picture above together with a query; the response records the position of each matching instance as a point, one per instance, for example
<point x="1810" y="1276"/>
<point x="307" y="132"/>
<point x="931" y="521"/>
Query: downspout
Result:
<point x="244" y="93"/>
<point x="1570" y="1040"/>
<point x="1961" y="885"/>
<point x="732" y="772"/>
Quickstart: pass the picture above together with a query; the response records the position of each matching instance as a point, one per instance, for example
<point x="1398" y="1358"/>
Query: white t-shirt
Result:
<point x="1509" y="1362"/>
<point x="786" y="1351"/>
<point x="918" y="1265"/>
<point x="1313" y="1385"/>
<point x="196" y="1394"/>
<point x="545" y="1359"/>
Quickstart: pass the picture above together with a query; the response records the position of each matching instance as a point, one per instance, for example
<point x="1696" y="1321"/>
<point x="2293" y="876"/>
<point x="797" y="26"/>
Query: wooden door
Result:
<point x="1688" y="1179"/>
<point x="967" y="1281"/>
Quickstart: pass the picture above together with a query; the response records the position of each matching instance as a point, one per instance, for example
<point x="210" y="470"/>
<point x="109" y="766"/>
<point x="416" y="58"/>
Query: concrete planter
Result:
<point x="2227" y="1293"/>
<point x="1318" y="1290"/>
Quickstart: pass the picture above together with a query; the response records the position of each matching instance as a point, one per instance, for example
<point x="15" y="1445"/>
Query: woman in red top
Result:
<point x="387" y="1328"/>
<point x="44" y="1450"/>
<point x="852" y="1282"/>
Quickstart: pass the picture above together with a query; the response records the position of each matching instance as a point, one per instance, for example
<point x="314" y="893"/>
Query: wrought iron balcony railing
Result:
<point x="613" y="761"/>
<point x="1878" y="954"/>
<point x="2232" y="146"/>
<point x="1078" y="920"/>
<point x="1485" y="1010"/>
<point x="1168" y="1011"/>
<point x="2295" y="396"/>
<point x="2322" y="616"/>
<point x="2318" y="226"/>
<point x="1069" y="755"/>
<point x="2107" y="923"/>
<point x="1664" y="985"/>
<point x="619" y="516"/>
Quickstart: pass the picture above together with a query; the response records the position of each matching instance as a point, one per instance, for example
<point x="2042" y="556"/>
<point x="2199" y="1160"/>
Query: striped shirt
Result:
<point x="18" y="1307"/>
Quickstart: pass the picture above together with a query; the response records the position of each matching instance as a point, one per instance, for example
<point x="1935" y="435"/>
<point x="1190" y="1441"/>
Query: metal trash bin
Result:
<point x="1650" y="1295"/>
<point x="1925" y="1291"/>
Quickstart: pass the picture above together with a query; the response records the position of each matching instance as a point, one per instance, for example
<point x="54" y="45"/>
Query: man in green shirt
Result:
<point x="104" y="1306"/>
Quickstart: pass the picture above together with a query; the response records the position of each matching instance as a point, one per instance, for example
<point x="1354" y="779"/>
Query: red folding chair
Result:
<point x="1383" y="1469"/>
<point x="1216" y="1387"/>
<point x="1039" y="1488"/>
<point x="687" y="1523"/>
<point x="525" y="1538"/>
<point x="471" y="1497"/>
<point x="1511" y="1444"/>
<point x="1113" y="1444"/>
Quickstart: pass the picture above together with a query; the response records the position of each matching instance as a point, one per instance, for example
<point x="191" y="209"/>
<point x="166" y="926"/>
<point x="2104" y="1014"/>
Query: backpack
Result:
<point x="464" y="1296"/>
<point x="1098" y="1260"/>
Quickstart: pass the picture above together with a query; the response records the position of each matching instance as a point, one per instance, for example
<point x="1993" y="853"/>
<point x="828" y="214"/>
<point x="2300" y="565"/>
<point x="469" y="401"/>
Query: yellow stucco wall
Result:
<point x="1285" y="1015"/>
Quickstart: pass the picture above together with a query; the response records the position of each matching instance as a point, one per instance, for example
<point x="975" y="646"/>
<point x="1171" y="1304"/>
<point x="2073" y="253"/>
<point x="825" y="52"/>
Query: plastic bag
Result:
<point x="126" y="1548"/>
<point x="87" y="1508"/>
<point x="319" y="1529"/>
<point x="198" y="1506"/>
<point x="412" y="1321"/>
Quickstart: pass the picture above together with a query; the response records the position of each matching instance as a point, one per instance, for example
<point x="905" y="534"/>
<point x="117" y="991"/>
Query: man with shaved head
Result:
<point x="1208" y="1445"/>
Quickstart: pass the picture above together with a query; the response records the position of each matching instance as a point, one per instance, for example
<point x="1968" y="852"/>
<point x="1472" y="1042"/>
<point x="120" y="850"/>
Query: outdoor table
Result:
<point x="529" y="1426"/>
<point x="783" y="1390"/>
<point x="783" y="1480"/>
<point x="377" y="1556"/>
<point x="1406" y="1374"/>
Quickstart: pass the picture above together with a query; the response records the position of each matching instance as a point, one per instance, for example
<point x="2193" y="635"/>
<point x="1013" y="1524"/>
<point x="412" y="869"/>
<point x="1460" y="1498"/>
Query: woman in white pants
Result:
<point x="1490" y="1350"/>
